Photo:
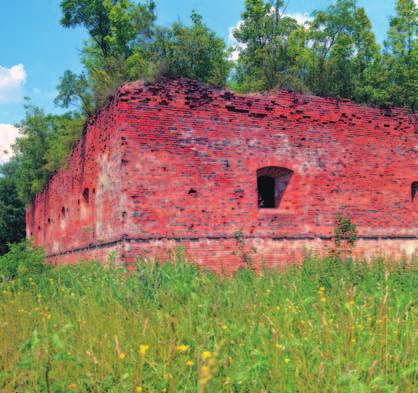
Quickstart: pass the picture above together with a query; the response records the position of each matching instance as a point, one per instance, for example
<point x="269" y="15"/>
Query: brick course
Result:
<point x="175" y="162"/>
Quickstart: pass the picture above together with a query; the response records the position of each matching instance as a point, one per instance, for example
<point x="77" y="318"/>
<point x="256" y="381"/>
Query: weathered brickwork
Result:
<point x="177" y="162"/>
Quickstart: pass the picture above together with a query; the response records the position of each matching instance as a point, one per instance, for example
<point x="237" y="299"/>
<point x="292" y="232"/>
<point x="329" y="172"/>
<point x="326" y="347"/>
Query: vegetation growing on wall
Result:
<point x="345" y="230"/>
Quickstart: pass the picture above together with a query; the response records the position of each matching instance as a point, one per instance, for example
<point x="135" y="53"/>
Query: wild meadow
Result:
<point x="326" y="326"/>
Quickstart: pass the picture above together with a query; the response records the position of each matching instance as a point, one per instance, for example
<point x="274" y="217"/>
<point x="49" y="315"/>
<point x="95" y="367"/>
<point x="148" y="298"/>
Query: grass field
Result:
<point x="324" y="327"/>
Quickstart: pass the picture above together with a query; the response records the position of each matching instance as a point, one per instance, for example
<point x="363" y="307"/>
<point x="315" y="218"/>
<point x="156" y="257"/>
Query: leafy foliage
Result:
<point x="194" y="52"/>
<point x="120" y="32"/>
<point x="345" y="230"/>
<point x="44" y="147"/>
<point x="23" y="260"/>
<point x="334" y="54"/>
<point x="272" y="45"/>
<point x="402" y="55"/>
<point x="12" y="212"/>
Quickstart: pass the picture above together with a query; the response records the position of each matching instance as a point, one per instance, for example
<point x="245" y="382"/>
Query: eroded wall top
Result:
<point x="180" y="160"/>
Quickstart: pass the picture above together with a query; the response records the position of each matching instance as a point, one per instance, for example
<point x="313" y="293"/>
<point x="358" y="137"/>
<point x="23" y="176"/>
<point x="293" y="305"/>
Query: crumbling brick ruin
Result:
<point x="177" y="162"/>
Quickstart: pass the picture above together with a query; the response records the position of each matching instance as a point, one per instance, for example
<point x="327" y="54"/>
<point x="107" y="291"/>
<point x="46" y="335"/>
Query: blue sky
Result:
<point x="35" y="50"/>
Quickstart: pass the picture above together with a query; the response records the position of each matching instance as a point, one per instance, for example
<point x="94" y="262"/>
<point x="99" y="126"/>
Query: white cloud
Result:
<point x="8" y="134"/>
<point x="233" y="43"/>
<point x="11" y="82"/>
<point x="301" y="18"/>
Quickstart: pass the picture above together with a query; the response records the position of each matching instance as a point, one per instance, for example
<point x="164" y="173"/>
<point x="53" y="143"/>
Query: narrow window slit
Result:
<point x="86" y="195"/>
<point x="414" y="191"/>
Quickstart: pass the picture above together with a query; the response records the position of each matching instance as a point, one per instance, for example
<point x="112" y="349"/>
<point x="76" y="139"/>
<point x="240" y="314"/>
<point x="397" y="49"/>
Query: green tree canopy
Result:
<point x="343" y="46"/>
<point x="401" y="49"/>
<point x="272" y="45"/>
<point x="195" y="52"/>
<point x="120" y="32"/>
<point x="43" y="148"/>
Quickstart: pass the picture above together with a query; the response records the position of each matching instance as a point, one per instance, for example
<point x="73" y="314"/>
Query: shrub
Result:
<point x="345" y="230"/>
<point x="22" y="260"/>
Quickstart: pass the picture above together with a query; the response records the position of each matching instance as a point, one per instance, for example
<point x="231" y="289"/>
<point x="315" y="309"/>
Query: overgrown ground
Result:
<point x="324" y="327"/>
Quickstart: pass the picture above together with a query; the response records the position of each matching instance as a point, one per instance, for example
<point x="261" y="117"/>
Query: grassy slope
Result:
<point x="327" y="327"/>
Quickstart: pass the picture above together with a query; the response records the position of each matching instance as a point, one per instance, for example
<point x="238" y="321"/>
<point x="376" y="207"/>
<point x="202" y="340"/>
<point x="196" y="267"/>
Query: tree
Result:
<point x="401" y="50"/>
<point x="43" y="148"/>
<point x="195" y="52"/>
<point x="74" y="90"/>
<point x="343" y="47"/>
<point x="12" y="211"/>
<point x="272" y="45"/>
<point x="120" y="32"/>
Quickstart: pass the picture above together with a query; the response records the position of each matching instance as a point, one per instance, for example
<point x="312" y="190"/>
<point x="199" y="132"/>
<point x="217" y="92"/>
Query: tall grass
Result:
<point x="327" y="326"/>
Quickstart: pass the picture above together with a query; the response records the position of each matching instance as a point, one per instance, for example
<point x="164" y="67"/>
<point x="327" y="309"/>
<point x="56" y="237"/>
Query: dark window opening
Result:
<point x="414" y="190"/>
<point x="49" y="221"/>
<point x="86" y="196"/>
<point x="266" y="198"/>
<point x="272" y="183"/>
<point x="63" y="212"/>
<point x="192" y="191"/>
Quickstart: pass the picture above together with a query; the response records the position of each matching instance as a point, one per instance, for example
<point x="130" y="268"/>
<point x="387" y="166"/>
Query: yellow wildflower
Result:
<point x="182" y="348"/>
<point x="323" y="299"/>
<point x="206" y="355"/>
<point x="143" y="349"/>
<point x="286" y="360"/>
<point x="122" y="356"/>
<point x="138" y="389"/>
<point x="190" y="363"/>
<point x="321" y="289"/>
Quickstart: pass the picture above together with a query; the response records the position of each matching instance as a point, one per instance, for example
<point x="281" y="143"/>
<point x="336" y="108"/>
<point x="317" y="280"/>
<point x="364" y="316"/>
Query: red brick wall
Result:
<point x="60" y="218"/>
<point x="182" y="167"/>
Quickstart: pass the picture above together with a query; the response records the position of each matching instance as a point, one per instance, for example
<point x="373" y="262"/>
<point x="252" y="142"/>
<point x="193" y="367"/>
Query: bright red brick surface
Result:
<point x="176" y="162"/>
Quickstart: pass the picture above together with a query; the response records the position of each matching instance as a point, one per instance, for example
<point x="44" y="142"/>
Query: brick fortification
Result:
<point x="176" y="162"/>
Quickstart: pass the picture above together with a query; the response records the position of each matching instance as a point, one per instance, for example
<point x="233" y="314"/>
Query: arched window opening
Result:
<point x="271" y="186"/>
<point x="414" y="191"/>
<point x="63" y="212"/>
<point x="86" y="195"/>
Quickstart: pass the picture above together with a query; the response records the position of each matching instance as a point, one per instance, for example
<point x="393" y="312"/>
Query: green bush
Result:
<point x="23" y="260"/>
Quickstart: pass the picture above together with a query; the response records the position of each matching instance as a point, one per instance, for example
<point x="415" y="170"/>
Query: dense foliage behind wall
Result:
<point x="12" y="212"/>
